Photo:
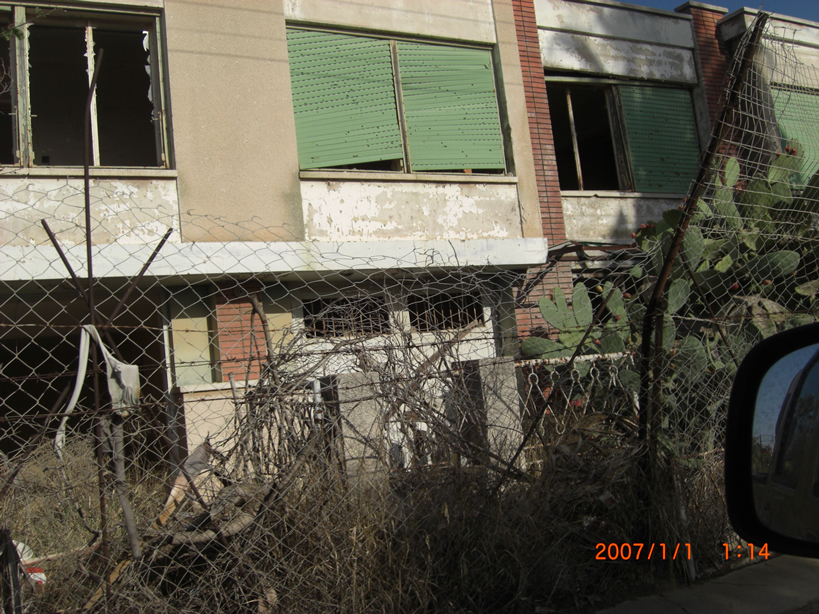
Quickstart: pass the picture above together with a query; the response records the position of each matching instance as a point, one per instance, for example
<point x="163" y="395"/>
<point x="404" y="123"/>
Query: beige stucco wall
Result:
<point x="124" y="210"/>
<point x="469" y="20"/>
<point x="609" y="19"/>
<point x="209" y="413"/>
<point x="233" y="128"/>
<point x="613" y="216"/>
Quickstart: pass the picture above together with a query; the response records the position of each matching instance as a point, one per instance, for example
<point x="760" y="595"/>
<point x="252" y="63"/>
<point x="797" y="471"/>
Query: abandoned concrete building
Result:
<point x="343" y="163"/>
<point x="342" y="166"/>
<point x="621" y="100"/>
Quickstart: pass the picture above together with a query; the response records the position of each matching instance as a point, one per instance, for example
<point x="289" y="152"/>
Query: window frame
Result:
<point x="24" y="17"/>
<point x="618" y="126"/>
<point x="185" y="304"/>
<point x="403" y="165"/>
<point x="444" y="311"/>
<point x="346" y="316"/>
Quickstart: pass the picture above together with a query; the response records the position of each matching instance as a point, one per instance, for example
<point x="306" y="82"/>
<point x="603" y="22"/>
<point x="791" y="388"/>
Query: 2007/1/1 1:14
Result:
<point x="763" y="551"/>
<point x="626" y="551"/>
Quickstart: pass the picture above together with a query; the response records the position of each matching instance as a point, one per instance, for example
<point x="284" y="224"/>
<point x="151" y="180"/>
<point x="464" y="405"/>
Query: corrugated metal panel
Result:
<point x="662" y="138"/>
<point x="343" y="99"/>
<point x="797" y="115"/>
<point x="450" y="107"/>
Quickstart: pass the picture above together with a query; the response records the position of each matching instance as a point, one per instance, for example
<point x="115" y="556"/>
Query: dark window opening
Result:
<point x="626" y="137"/>
<point x="584" y="144"/>
<point x="563" y="140"/>
<point x="124" y="106"/>
<point x="126" y="114"/>
<point x="7" y="148"/>
<point x="594" y="139"/>
<point x="444" y="311"/>
<point x="379" y="165"/>
<point x="346" y="316"/>
<point x="58" y="88"/>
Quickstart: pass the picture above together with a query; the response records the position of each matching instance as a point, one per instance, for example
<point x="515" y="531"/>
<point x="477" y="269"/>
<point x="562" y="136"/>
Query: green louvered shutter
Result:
<point x="797" y="115"/>
<point x="450" y="108"/>
<point x="343" y="99"/>
<point x="662" y="138"/>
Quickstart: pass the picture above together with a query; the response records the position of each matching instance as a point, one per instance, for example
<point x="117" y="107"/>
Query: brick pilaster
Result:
<point x="540" y="127"/>
<point x="528" y="315"/>
<point x="713" y="52"/>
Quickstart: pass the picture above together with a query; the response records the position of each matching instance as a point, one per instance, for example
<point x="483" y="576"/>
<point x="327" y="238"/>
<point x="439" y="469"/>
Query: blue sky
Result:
<point x="804" y="9"/>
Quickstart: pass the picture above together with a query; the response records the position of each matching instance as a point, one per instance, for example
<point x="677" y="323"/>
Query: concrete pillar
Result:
<point x="488" y="406"/>
<point x="362" y="428"/>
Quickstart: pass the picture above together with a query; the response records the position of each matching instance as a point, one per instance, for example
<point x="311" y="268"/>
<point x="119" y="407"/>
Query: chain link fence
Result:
<point x="195" y="434"/>
<point x="221" y="442"/>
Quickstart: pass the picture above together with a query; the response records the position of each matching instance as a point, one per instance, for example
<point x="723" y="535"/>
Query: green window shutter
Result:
<point x="450" y="108"/>
<point x="797" y="115"/>
<point x="343" y="99"/>
<point x="662" y="138"/>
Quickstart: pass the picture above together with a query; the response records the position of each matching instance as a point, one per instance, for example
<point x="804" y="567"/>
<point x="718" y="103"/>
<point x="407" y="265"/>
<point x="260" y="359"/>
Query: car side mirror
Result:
<point x="772" y="444"/>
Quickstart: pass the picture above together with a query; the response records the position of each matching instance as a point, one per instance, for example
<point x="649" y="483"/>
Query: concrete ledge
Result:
<point x="76" y="172"/>
<point x="379" y="177"/>
<point x="281" y="260"/>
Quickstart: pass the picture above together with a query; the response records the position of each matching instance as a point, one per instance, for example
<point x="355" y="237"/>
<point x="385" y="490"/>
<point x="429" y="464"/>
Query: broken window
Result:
<point x="444" y="311"/>
<point x="337" y="317"/>
<point x="623" y="137"/>
<point x="7" y="109"/>
<point x="55" y="60"/>
<point x="369" y="103"/>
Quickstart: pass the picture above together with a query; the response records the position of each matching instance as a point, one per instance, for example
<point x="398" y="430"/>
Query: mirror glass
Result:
<point x="785" y="450"/>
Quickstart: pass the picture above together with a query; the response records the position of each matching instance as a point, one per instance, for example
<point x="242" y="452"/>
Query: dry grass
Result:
<point x="452" y="539"/>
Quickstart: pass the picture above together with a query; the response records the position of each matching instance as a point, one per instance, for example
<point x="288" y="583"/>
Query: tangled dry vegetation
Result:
<point x="269" y="519"/>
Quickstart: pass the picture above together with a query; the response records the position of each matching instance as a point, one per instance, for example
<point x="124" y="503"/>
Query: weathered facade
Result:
<point x="295" y="149"/>
<point x="339" y="147"/>
<point x="622" y="82"/>
<point x="629" y="99"/>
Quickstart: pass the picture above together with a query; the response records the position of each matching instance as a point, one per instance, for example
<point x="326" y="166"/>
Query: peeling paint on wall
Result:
<point x="351" y="211"/>
<point x="134" y="211"/>
<point x="565" y="51"/>
<point x="611" y="218"/>
<point x="621" y="21"/>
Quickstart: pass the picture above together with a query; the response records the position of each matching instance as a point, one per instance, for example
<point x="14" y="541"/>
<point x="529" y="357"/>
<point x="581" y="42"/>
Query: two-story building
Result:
<point x="342" y="163"/>
<point x="621" y="101"/>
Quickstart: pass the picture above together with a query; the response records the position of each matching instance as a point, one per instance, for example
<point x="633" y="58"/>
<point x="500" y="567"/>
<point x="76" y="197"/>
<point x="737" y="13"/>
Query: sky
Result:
<point x="804" y="9"/>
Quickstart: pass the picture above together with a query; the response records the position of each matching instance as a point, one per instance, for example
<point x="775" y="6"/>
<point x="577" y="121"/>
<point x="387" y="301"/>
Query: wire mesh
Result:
<point x="374" y="435"/>
<point x="324" y="441"/>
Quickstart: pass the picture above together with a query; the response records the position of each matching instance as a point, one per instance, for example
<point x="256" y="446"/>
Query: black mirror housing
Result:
<point x="739" y="437"/>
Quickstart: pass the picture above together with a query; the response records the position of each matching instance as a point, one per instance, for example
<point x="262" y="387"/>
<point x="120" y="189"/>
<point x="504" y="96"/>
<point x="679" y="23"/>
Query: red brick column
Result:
<point x="528" y="315"/>
<point x="540" y="127"/>
<point x="713" y="53"/>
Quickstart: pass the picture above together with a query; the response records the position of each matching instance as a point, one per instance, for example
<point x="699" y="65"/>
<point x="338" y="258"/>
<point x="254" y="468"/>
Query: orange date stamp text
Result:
<point x="642" y="552"/>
